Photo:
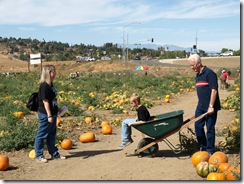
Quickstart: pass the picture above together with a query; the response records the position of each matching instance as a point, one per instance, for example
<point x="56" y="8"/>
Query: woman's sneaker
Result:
<point x="58" y="156"/>
<point x="41" y="160"/>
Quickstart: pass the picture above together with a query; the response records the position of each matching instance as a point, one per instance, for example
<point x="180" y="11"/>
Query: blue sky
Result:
<point x="96" y="22"/>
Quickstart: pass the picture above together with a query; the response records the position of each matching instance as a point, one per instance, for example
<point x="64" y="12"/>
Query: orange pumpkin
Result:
<point x="58" y="121"/>
<point x="217" y="158"/>
<point x="106" y="129"/>
<point x="200" y="156"/>
<point x="19" y="114"/>
<point x="66" y="144"/>
<point x="166" y="100"/>
<point x="223" y="167"/>
<point x="87" y="137"/>
<point x="233" y="173"/>
<point x="88" y="120"/>
<point x="104" y="123"/>
<point x="216" y="176"/>
<point x="4" y="162"/>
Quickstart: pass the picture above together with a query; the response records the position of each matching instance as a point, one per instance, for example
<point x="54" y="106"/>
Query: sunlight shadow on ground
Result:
<point x="87" y="154"/>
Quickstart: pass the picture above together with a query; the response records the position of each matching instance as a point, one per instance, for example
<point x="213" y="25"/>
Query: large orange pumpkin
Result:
<point x="200" y="156"/>
<point x="217" y="158"/>
<point x="106" y="129"/>
<point x="87" y="137"/>
<point x="233" y="173"/>
<point x="216" y="176"/>
<point x="223" y="167"/>
<point x="66" y="144"/>
<point x="4" y="162"/>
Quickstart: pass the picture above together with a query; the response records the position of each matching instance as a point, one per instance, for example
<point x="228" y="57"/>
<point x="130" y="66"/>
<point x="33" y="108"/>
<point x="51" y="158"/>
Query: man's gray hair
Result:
<point x="195" y="57"/>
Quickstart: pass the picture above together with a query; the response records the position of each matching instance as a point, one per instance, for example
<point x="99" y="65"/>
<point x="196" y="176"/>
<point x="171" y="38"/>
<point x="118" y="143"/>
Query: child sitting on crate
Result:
<point x="143" y="115"/>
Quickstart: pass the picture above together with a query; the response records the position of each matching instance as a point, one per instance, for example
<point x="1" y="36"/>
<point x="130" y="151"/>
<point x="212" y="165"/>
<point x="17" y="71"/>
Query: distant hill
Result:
<point x="155" y="47"/>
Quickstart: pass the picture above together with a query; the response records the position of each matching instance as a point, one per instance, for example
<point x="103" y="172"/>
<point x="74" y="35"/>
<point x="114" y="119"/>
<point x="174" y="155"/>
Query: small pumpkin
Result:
<point x="88" y="120"/>
<point x="216" y="176"/>
<point x="167" y="96"/>
<point x="4" y="162"/>
<point x="106" y="129"/>
<point x="233" y="173"/>
<point x="203" y="169"/>
<point x="87" y="137"/>
<point x="32" y="154"/>
<point x="66" y="144"/>
<point x="19" y="114"/>
<point x="217" y="158"/>
<point x="166" y="100"/>
<point x="200" y="156"/>
<point x="104" y="123"/>
<point x="58" y="122"/>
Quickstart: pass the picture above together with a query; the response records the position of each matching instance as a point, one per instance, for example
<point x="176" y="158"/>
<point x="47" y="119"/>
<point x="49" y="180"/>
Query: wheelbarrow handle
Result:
<point x="193" y="120"/>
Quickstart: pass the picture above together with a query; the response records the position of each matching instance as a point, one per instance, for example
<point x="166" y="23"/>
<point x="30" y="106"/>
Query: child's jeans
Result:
<point x="126" y="130"/>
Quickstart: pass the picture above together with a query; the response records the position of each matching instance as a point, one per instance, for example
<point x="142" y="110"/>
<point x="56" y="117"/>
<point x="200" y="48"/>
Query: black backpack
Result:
<point x="32" y="103"/>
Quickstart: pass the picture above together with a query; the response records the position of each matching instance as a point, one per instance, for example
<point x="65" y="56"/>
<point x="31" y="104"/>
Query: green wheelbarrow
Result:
<point x="158" y="129"/>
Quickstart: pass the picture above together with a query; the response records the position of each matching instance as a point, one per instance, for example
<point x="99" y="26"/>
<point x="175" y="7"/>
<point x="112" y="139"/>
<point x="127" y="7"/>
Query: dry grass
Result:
<point x="180" y="66"/>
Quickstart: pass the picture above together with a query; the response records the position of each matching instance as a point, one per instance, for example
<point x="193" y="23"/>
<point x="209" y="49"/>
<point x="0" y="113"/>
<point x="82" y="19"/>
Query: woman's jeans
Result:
<point x="126" y="130"/>
<point x="46" y="131"/>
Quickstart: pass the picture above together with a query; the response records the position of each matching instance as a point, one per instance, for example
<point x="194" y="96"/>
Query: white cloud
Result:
<point x="63" y="12"/>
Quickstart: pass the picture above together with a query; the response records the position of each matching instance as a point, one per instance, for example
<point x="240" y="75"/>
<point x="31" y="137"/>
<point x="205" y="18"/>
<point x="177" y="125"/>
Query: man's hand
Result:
<point x="210" y="110"/>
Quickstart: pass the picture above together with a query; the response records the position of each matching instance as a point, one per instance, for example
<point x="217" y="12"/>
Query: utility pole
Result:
<point x="196" y="40"/>
<point x="124" y="52"/>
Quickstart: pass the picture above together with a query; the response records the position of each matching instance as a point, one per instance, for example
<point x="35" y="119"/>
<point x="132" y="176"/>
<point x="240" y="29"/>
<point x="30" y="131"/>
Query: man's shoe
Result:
<point x="41" y="160"/>
<point x="58" y="156"/>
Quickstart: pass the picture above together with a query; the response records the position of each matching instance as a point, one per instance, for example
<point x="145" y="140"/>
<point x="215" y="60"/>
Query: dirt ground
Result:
<point x="102" y="160"/>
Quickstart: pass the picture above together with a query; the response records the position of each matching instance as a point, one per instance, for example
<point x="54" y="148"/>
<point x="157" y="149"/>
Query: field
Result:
<point x="101" y="160"/>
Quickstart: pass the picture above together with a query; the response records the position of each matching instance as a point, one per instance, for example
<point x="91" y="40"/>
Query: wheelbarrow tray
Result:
<point x="162" y="124"/>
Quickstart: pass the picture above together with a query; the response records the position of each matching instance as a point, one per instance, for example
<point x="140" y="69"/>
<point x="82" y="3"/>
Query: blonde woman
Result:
<point x="143" y="115"/>
<point x="47" y="114"/>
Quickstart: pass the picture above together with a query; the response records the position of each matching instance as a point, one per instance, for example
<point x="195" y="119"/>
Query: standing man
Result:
<point x="208" y="101"/>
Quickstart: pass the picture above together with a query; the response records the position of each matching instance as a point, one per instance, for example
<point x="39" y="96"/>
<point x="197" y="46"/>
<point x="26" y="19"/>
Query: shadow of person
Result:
<point x="90" y="153"/>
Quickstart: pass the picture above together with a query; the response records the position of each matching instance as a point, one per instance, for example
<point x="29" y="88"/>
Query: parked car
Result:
<point x="106" y="58"/>
<point x="137" y="58"/>
<point x="227" y="53"/>
<point x="80" y="60"/>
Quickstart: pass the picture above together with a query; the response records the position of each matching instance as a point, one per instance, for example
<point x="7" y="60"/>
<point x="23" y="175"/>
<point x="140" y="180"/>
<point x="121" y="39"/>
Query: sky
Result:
<point x="215" y="23"/>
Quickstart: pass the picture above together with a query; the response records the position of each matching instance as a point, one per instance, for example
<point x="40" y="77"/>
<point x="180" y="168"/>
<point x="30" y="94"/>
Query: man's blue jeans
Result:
<point x="126" y="130"/>
<point x="46" y="131"/>
<point x="206" y="141"/>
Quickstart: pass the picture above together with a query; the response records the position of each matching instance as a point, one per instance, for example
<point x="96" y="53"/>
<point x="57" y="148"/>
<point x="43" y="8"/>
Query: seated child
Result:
<point x="143" y="115"/>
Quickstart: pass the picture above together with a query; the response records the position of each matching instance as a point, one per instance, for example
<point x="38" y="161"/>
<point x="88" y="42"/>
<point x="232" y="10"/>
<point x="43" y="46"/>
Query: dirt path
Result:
<point x="102" y="160"/>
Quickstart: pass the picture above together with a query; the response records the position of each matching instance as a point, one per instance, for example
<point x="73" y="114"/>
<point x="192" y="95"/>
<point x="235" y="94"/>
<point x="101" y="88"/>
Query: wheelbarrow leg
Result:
<point x="156" y="141"/>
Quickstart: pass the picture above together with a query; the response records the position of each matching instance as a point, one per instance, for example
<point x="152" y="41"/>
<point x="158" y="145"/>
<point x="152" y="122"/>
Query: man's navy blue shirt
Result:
<point x="205" y="82"/>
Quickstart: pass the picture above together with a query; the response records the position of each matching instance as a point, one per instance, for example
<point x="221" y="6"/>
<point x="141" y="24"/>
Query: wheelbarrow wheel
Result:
<point x="149" y="151"/>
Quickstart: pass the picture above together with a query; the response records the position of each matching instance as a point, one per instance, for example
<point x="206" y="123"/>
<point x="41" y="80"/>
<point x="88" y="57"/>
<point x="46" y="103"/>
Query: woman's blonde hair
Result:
<point x="135" y="98"/>
<point x="45" y="75"/>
